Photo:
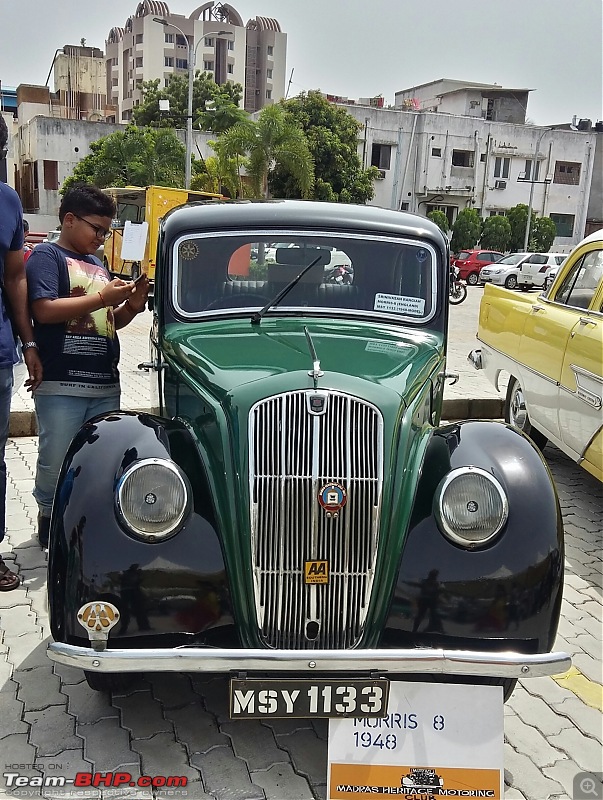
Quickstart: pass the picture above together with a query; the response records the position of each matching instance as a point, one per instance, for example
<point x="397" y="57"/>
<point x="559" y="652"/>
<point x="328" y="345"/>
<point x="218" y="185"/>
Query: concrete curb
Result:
<point x="23" y="423"/>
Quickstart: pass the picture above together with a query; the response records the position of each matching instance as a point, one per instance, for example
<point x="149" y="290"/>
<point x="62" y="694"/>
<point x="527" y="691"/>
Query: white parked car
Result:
<point x="550" y="276"/>
<point x="532" y="271"/>
<point x="505" y="271"/>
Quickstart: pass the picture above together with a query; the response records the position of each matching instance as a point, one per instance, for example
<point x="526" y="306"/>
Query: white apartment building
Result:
<point x="431" y="160"/>
<point x="252" y="54"/>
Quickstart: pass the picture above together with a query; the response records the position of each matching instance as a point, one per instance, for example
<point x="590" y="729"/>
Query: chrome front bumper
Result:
<point x="202" y="659"/>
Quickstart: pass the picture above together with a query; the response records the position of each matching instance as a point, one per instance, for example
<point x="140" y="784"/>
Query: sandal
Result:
<point x="8" y="579"/>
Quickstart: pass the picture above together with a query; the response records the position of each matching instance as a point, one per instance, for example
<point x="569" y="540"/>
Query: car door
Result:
<point x="581" y="383"/>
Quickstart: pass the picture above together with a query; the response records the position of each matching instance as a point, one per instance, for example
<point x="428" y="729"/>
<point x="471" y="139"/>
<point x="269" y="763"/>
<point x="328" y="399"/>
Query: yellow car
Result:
<point x="551" y="348"/>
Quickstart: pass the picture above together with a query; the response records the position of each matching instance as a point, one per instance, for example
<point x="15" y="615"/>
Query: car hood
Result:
<point x="226" y="356"/>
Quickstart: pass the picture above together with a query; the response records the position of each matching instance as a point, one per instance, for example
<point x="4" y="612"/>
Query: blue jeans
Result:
<point x="6" y="388"/>
<point x="60" y="417"/>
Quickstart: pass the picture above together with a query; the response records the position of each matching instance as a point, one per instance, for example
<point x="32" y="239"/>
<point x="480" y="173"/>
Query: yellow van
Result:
<point x="137" y="204"/>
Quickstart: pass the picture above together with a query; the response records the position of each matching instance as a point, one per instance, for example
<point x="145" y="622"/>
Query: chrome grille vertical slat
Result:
<point x="293" y="454"/>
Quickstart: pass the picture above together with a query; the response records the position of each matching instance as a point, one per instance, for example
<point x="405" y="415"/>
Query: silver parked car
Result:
<point x="505" y="271"/>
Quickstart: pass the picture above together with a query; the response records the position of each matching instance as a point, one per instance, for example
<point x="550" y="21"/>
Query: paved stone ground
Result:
<point x="178" y="724"/>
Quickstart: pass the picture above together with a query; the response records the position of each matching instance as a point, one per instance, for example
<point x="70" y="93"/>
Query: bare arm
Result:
<point x="62" y="309"/>
<point x="15" y="286"/>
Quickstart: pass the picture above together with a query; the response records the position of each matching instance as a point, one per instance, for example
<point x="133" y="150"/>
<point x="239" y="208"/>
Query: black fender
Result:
<point x="504" y="596"/>
<point x="176" y="588"/>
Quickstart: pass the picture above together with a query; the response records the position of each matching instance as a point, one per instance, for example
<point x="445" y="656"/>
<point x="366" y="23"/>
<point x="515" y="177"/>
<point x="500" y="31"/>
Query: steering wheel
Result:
<point x="237" y="301"/>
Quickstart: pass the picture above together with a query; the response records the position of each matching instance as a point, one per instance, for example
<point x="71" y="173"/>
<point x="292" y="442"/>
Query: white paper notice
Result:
<point x="437" y="739"/>
<point x="134" y="241"/>
<point x="398" y="304"/>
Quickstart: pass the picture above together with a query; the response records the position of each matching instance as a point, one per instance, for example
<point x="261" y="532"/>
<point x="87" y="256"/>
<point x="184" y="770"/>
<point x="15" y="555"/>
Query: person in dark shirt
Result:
<point x="77" y="309"/>
<point x="13" y="293"/>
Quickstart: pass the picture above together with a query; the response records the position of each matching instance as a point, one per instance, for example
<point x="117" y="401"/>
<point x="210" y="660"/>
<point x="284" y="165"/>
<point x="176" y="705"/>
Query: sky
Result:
<point x="366" y="49"/>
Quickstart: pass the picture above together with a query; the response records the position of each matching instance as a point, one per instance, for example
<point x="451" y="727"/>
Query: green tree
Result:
<point x="542" y="235"/>
<point x="466" y="230"/>
<point x="518" y="217"/>
<point x="273" y="141"/>
<point x="440" y="219"/>
<point x="134" y="157"/>
<point x="332" y="135"/>
<point x="215" y="107"/>
<point x="217" y="173"/>
<point x="496" y="233"/>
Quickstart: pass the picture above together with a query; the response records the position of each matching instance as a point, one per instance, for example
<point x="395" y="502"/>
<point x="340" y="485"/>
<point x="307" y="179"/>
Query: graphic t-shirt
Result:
<point x="80" y="356"/>
<point x="11" y="238"/>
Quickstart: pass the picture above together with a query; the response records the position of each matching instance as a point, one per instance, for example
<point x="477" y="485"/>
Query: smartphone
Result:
<point x="139" y="278"/>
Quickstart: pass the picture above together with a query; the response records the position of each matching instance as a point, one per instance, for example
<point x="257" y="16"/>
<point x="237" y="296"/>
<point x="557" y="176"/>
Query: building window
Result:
<point x="230" y="44"/>
<point x="209" y="42"/>
<point x="169" y="38"/>
<point x="269" y="74"/>
<point x="497" y="213"/>
<point x="139" y="61"/>
<point x="114" y="62"/>
<point x="51" y="175"/>
<point x="139" y="38"/>
<point x="268" y="94"/>
<point x="567" y="172"/>
<point x="181" y="63"/>
<point x="114" y="81"/>
<point x="564" y="224"/>
<point x="436" y="151"/>
<point x="381" y="155"/>
<point x="448" y="210"/>
<point x="502" y="167"/>
<point x="168" y="61"/>
<point x="270" y="50"/>
<point x="139" y="83"/>
<point x="230" y="68"/>
<point x="528" y="170"/>
<point x="166" y="82"/>
<point x="208" y="66"/>
<point x="181" y="41"/>
<point x="462" y="158"/>
<point x="403" y="206"/>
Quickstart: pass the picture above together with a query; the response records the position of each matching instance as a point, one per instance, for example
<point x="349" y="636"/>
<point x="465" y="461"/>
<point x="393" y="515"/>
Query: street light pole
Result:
<point x="532" y="182"/>
<point x="189" y="114"/>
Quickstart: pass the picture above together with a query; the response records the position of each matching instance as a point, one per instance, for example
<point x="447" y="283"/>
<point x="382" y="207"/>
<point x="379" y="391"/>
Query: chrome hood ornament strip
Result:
<point x="316" y="372"/>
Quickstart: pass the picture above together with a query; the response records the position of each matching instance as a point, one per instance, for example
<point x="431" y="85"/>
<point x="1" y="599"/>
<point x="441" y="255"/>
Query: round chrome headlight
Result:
<point x="470" y="506"/>
<point x="153" y="498"/>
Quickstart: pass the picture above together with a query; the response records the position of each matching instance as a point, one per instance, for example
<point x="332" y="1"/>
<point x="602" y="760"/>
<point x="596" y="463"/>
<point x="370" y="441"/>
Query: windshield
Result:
<point x="514" y="258"/>
<point x="217" y="274"/>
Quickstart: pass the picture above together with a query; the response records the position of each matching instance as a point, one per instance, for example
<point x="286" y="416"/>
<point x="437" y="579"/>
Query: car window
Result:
<point x="514" y="258"/>
<point x="580" y="284"/>
<point x="559" y="259"/>
<point x="373" y="275"/>
<point x="537" y="258"/>
<point x="464" y="254"/>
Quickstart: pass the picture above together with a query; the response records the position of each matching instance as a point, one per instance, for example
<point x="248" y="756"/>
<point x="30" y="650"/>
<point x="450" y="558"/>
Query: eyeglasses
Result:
<point x="101" y="233"/>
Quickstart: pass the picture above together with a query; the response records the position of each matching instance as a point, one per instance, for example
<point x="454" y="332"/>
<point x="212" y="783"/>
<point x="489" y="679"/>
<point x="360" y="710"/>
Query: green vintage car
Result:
<point x="292" y="513"/>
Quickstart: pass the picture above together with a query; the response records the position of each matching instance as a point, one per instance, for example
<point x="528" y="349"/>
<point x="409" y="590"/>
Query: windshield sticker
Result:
<point x="398" y="304"/>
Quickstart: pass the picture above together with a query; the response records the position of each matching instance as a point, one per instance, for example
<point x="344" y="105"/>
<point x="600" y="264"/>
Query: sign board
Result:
<point x="134" y="241"/>
<point x="437" y="740"/>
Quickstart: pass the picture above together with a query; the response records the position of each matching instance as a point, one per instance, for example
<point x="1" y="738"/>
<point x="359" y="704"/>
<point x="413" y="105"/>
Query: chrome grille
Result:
<point x="293" y="454"/>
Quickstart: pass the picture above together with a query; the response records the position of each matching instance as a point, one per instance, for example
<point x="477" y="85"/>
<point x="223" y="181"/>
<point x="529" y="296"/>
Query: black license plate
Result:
<point x="259" y="699"/>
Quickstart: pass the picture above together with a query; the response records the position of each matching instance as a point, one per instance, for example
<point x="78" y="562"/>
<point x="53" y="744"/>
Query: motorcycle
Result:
<point x="457" y="291"/>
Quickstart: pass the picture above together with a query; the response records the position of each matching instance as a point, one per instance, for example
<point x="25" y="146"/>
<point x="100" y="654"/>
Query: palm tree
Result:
<point x="272" y="140"/>
<point x="216" y="172"/>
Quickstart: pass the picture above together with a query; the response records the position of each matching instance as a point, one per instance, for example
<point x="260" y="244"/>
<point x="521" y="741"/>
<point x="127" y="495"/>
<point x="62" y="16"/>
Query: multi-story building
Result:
<point x="252" y="55"/>
<point x="80" y="83"/>
<point x="432" y="160"/>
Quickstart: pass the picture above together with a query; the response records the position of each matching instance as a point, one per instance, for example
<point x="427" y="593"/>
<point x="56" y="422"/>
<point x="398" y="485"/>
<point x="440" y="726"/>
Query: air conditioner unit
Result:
<point x="500" y="184"/>
<point x="381" y="175"/>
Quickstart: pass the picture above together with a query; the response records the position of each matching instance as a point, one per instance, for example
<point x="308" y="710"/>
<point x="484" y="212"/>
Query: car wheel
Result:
<point x="524" y="287"/>
<point x="472" y="278"/>
<point x="109" y="681"/>
<point x="511" y="282"/>
<point x="516" y="413"/>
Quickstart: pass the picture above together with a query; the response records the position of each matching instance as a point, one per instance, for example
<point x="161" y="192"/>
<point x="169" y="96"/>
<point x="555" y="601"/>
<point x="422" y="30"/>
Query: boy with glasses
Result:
<point x="77" y="310"/>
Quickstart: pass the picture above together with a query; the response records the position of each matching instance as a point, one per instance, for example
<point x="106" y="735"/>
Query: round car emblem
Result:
<point x="332" y="497"/>
<point x="189" y="251"/>
<point x="150" y="498"/>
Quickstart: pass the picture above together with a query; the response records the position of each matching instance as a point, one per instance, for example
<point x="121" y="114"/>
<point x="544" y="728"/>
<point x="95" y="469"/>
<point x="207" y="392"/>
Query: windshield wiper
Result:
<point x="257" y="317"/>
